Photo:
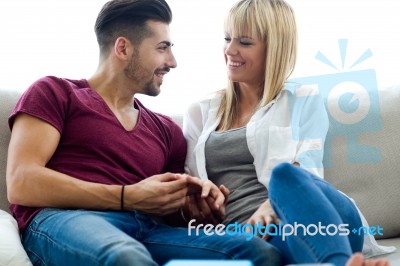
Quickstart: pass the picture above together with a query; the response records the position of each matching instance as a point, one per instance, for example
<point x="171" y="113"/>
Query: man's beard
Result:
<point x="136" y="72"/>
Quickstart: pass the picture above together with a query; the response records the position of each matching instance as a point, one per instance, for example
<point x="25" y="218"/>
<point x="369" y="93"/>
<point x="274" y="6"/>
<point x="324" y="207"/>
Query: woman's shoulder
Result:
<point x="300" y="90"/>
<point x="299" y="94"/>
<point x="211" y="100"/>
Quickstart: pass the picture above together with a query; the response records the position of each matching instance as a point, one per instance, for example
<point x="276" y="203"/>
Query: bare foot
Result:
<point x="358" y="260"/>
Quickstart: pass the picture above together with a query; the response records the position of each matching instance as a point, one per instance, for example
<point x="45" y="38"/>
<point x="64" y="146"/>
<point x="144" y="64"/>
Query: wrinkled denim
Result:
<point x="81" y="237"/>
<point x="296" y="195"/>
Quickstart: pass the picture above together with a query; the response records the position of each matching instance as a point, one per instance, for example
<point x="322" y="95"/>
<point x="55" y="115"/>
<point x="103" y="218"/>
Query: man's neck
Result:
<point x="113" y="89"/>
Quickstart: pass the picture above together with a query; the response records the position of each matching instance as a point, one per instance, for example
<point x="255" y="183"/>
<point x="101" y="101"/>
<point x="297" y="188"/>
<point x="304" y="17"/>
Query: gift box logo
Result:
<point x="352" y="103"/>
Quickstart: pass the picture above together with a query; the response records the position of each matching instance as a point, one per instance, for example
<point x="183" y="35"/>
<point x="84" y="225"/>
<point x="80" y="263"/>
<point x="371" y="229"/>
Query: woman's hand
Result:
<point x="264" y="216"/>
<point x="206" y="202"/>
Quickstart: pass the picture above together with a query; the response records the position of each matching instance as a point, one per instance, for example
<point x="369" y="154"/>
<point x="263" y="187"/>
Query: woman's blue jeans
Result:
<point x="299" y="197"/>
<point x="81" y="237"/>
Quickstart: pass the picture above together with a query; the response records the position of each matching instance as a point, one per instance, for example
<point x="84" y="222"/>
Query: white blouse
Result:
<point x="291" y="128"/>
<point x="274" y="132"/>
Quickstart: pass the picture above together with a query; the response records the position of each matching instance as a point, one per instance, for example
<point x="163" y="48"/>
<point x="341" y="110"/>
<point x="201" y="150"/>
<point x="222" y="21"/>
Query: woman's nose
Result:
<point x="230" y="48"/>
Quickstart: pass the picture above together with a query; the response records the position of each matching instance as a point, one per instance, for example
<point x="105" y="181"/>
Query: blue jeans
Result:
<point x="82" y="237"/>
<point x="298" y="196"/>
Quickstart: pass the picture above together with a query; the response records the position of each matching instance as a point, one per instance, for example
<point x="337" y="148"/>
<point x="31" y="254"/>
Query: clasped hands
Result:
<point x="199" y="199"/>
<point x="168" y="193"/>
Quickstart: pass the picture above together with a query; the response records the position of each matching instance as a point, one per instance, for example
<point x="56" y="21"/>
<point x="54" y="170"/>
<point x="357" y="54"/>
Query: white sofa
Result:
<point x="374" y="186"/>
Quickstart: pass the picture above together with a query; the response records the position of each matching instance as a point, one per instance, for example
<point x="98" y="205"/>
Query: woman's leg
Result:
<point x="346" y="210"/>
<point x="299" y="198"/>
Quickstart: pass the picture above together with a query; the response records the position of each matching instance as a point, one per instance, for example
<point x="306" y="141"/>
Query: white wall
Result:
<point x="53" y="37"/>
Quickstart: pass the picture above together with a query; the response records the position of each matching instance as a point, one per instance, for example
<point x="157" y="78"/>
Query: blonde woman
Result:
<point x="252" y="137"/>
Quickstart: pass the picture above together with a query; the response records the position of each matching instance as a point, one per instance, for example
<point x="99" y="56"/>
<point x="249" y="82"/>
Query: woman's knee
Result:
<point x="282" y="169"/>
<point x="283" y="179"/>
<point x="285" y="173"/>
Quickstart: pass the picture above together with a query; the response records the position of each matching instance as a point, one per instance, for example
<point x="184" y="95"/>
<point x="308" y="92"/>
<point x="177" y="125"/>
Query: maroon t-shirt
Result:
<point x="94" y="146"/>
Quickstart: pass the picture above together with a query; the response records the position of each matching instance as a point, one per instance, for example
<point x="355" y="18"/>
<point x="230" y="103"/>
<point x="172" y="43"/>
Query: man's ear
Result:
<point x="123" y="48"/>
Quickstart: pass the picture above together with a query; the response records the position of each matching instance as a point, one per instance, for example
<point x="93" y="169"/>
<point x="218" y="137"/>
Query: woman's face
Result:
<point x="245" y="59"/>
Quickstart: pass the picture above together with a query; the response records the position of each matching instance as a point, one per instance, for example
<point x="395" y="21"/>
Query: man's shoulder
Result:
<point x="47" y="82"/>
<point x="160" y="119"/>
<point x="167" y="120"/>
<point x="60" y="82"/>
<point x="55" y="85"/>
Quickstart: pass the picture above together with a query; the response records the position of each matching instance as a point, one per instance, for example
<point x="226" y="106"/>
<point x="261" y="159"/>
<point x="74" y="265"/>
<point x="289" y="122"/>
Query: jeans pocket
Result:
<point x="40" y="217"/>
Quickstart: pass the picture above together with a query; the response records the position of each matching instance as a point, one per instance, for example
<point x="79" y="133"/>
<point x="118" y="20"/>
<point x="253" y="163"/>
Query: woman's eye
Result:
<point x="227" y="39"/>
<point x="245" y="43"/>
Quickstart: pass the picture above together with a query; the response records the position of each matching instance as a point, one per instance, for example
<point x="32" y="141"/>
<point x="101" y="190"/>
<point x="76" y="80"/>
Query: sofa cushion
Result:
<point x="373" y="185"/>
<point x="11" y="249"/>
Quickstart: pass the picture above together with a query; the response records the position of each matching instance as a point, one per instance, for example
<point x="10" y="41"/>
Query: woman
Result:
<point x="253" y="136"/>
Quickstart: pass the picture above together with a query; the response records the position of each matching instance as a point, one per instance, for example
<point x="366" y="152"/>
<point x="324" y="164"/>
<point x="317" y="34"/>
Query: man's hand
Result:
<point x="159" y="194"/>
<point x="264" y="215"/>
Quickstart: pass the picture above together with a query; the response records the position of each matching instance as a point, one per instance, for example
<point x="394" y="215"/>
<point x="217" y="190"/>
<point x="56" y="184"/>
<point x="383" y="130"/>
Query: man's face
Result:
<point x="152" y="60"/>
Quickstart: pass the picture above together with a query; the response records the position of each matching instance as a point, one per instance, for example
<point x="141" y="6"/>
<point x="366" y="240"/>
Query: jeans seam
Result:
<point x="35" y="223"/>
<point x="141" y="225"/>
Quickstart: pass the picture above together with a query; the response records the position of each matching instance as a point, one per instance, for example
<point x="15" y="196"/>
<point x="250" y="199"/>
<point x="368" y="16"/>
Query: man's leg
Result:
<point x="166" y="243"/>
<point x="62" y="237"/>
<point x="297" y="196"/>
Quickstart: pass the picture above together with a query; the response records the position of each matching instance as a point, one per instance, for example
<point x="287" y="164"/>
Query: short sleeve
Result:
<point x="46" y="99"/>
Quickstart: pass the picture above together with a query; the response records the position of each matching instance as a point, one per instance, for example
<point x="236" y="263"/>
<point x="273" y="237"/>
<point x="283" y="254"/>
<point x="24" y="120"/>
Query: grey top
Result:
<point x="229" y="162"/>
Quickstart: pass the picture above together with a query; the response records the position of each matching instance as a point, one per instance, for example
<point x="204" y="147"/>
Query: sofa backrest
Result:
<point x="373" y="185"/>
<point x="7" y="102"/>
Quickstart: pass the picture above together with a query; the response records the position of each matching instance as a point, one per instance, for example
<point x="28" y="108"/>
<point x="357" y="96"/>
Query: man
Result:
<point x="89" y="165"/>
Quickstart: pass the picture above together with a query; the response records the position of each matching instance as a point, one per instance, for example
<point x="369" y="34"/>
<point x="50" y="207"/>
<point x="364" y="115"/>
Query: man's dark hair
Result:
<point x="128" y="18"/>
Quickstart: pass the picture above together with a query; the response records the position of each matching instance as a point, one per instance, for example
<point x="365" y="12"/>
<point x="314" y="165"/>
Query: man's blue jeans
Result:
<point x="81" y="237"/>
<point x="298" y="196"/>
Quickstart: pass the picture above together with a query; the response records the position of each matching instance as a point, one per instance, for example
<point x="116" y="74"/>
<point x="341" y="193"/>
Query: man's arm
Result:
<point x="30" y="183"/>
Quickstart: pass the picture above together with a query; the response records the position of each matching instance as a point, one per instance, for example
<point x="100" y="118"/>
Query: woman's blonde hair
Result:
<point x="272" y="21"/>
